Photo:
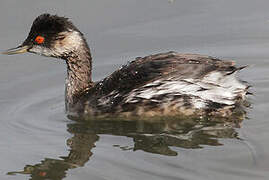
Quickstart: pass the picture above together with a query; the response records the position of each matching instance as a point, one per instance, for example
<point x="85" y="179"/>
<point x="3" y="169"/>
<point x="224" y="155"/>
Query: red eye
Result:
<point x="39" y="39"/>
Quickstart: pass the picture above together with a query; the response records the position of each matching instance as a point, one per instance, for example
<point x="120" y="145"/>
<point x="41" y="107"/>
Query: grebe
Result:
<point x="163" y="84"/>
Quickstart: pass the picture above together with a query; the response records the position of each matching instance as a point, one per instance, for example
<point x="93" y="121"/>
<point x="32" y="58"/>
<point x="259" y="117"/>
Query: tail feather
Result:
<point x="236" y="70"/>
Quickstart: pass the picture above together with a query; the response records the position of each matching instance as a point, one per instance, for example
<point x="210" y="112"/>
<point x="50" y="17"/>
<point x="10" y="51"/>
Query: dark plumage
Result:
<point x="162" y="84"/>
<point x="49" y="27"/>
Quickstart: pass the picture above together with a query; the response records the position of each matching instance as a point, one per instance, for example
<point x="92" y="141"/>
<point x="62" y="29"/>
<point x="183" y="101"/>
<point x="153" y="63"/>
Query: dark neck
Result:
<point x="79" y="73"/>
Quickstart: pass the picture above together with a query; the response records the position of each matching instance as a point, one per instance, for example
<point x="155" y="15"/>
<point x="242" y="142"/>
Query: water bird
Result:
<point x="163" y="84"/>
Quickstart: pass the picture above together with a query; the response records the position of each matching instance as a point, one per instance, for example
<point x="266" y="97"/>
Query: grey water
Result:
<point x="38" y="141"/>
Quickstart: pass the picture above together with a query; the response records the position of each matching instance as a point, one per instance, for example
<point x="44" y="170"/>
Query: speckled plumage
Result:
<point x="164" y="84"/>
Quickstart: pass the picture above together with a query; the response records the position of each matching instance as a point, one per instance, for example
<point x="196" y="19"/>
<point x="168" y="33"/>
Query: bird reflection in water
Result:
<point x="156" y="136"/>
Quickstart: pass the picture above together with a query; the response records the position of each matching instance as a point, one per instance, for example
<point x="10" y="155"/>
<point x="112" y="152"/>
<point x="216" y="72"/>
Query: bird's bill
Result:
<point x="17" y="50"/>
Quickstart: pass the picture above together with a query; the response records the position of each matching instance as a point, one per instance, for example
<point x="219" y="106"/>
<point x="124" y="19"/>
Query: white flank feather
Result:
<point x="214" y="87"/>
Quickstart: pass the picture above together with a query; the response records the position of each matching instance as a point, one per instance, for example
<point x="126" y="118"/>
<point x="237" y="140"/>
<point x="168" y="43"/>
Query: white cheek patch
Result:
<point x="71" y="42"/>
<point x="40" y="50"/>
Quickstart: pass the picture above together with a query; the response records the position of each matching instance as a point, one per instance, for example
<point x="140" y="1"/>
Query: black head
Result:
<point x="50" y="35"/>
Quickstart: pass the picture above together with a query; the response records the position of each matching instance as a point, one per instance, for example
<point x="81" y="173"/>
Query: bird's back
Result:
<point x="166" y="84"/>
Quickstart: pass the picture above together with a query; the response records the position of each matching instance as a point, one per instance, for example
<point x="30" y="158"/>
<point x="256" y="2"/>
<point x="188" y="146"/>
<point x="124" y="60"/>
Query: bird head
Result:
<point x="52" y="36"/>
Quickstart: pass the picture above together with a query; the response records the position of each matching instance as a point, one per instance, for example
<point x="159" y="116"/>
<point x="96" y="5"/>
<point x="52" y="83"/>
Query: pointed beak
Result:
<point x="17" y="50"/>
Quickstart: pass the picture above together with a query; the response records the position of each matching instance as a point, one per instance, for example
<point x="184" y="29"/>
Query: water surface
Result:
<point x="38" y="141"/>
